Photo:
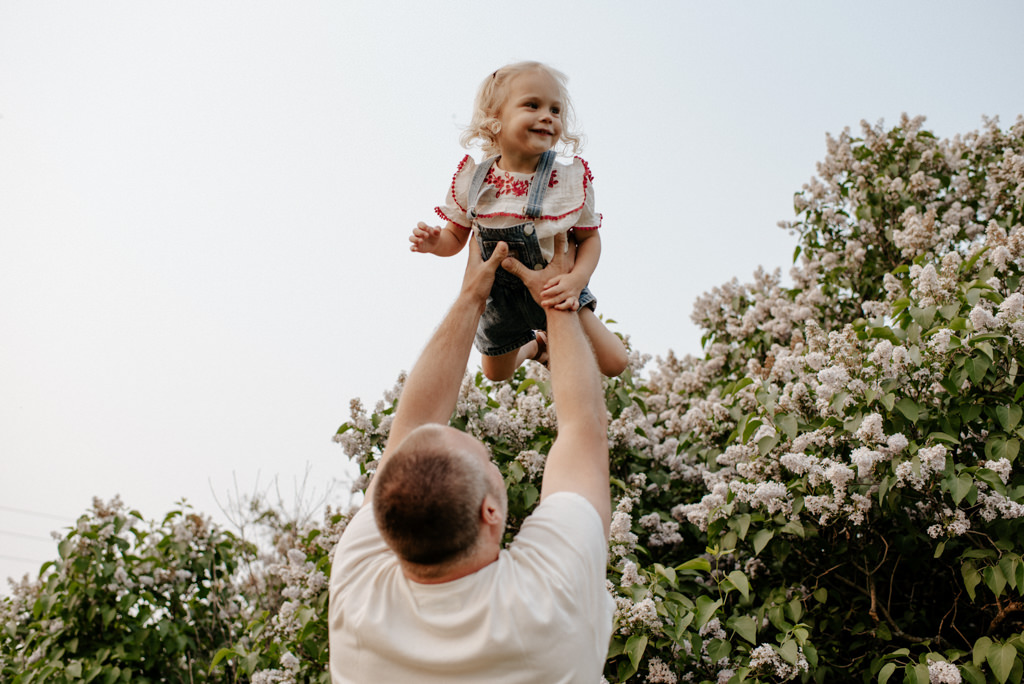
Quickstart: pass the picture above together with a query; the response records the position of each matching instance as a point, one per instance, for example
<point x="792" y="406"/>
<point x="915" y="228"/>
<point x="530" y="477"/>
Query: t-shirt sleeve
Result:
<point x="455" y="199"/>
<point x="566" y="534"/>
<point x="359" y="545"/>
<point x="589" y="218"/>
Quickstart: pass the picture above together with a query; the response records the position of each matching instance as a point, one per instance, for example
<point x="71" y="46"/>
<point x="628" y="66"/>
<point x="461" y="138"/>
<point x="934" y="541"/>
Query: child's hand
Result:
<point x="424" y="238"/>
<point x="563" y="292"/>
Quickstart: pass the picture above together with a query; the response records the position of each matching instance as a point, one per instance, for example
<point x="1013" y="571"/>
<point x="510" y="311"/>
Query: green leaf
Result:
<point x="750" y="428"/>
<point x="990" y="478"/>
<point x="788" y="424"/>
<point x="1000" y="659"/>
<point x="700" y="564"/>
<point x="972" y="673"/>
<point x="971" y="580"/>
<point x="761" y="539"/>
<point x="886" y="672"/>
<point x="625" y="670"/>
<point x="994" y="579"/>
<point x="888" y="400"/>
<point x="530" y="495"/>
<point x="718" y="649"/>
<point x="924" y="317"/>
<point x="1008" y="566"/>
<point x="221" y="655"/>
<point x="1009" y="416"/>
<point x="976" y="367"/>
<point x="739" y="580"/>
<point x="635" y="648"/>
<point x="917" y="674"/>
<point x="981" y="649"/>
<point x="705" y="609"/>
<point x="883" y="487"/>
<point x="789" y="651"/>
<point x="909" y="408"/>
<point x="943" y="437"/>
<point x="959" y="486"/>
<point x="745" y="627"/>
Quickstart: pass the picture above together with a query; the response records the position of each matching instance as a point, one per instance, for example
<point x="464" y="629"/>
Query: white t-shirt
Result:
<point x="540" y="613"/>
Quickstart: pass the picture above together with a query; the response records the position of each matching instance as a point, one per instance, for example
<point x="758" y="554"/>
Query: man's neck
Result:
<point x="449" y="573"/>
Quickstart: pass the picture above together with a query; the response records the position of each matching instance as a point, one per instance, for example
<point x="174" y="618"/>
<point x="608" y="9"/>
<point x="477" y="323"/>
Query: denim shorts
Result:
<point x="511" y="315"/>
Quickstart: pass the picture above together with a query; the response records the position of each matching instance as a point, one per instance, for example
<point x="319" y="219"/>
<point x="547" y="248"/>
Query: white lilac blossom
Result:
<point x="629" y="574"/>
<point x="941" y="672"/>
<point x="1003" y="468"/>
<point x="764" y="660"/>
<point x="660" y="673"/>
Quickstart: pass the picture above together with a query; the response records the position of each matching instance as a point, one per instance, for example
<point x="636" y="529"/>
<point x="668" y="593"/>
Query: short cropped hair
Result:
<point x="427" y="501"/>
<point x="491" y="97"/>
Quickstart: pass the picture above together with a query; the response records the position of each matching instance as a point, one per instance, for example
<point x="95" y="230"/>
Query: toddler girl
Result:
<point x="519" y="195"/>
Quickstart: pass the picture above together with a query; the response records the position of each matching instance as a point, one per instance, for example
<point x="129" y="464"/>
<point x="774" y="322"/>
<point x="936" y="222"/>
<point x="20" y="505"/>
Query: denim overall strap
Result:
<point x="541" y="177"/>
<point x="476" y="186"/>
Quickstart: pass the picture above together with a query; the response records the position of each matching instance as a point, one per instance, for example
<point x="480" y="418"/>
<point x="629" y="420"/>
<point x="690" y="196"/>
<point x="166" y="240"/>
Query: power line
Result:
<point x="38" y="514"/>
<point x="22" y="535"/>
<point x="20" y="559"/>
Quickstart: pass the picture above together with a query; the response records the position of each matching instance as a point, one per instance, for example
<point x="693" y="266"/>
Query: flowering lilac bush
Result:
<point x="128" y="601"/>
<point x="831" y="493"/>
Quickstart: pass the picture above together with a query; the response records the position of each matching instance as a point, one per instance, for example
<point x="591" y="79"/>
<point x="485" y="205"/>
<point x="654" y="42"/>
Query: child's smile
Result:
<point x="531" y="121"/>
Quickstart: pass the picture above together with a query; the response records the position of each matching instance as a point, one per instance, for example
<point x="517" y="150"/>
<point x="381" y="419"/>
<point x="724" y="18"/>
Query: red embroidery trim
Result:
<point x="439" y="212"/>
<point x="587" y="176"/>
<point x="452" y="190"/>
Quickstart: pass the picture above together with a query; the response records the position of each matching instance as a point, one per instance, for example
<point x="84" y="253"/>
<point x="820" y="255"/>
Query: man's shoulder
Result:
<point x="563" y="524"/>
<point x="360" y="545"/>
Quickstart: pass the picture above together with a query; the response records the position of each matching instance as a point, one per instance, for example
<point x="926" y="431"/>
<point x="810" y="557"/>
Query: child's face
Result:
<point x="530" y="119"/>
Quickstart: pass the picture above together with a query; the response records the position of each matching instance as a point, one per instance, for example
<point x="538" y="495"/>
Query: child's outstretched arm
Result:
<point x="563" y="292"/>
<point x="445" y="241"/>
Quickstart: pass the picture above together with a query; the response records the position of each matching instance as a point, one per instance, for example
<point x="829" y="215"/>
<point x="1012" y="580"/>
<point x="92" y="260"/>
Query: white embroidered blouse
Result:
<point x="568" y="202"/>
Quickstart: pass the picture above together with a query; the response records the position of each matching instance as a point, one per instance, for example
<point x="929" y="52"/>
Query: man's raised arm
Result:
<point x="578" y="460"/>
<point x="432" y="388"/>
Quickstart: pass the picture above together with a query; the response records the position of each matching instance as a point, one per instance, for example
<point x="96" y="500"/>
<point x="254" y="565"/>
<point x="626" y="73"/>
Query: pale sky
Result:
<point x="204" y="206"/>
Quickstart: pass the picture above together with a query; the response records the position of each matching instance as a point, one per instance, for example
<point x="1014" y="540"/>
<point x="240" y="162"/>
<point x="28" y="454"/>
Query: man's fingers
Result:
<point x="559" y="244"/>
<point x="498" y="255"/>
<point x="515" y="267"/>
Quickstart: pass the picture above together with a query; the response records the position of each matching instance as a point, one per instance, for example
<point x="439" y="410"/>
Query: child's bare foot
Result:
<point x="541" y="356"/>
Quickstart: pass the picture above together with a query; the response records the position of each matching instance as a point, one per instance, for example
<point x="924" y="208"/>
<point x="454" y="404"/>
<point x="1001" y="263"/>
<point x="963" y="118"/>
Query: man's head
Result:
<point x="435" y="494"/>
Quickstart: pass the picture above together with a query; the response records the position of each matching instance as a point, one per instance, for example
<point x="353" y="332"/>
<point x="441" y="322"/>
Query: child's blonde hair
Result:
<point x="493" y="92"/>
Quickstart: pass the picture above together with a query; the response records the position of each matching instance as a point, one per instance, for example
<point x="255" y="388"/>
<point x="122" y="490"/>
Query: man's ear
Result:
<point x="490" y="510"/>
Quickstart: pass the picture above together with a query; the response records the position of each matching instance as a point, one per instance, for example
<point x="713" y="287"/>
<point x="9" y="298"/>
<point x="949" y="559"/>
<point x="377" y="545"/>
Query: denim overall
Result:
<point x="511" y="315"/>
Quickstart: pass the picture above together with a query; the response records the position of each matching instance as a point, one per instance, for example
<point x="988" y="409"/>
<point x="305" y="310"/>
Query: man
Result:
<point x="421" y="590"/>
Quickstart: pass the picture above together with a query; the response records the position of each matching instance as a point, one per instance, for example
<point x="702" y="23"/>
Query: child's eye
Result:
<point x="556" y="110"/>
<point x="531" y="105"/>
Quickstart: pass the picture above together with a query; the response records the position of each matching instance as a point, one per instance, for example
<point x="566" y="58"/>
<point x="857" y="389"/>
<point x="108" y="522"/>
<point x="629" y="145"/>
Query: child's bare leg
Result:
<point x="502" y="367"/>
<point x="611" y="354"/>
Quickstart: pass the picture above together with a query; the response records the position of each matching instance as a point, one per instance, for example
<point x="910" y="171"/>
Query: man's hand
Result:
<point x="425" y="238"/>
<point x="564" y="290"/>
<point x="537" y="282"/>
<point x="479" y="276"/>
